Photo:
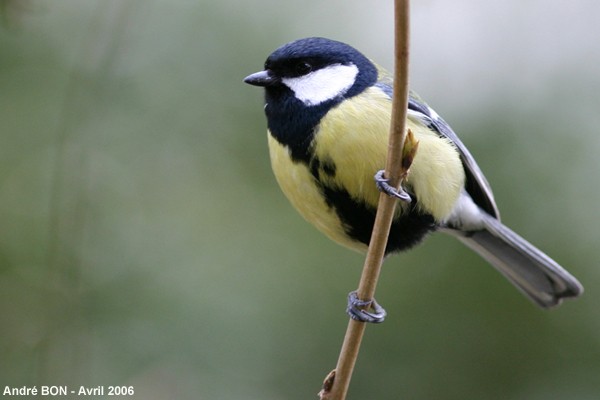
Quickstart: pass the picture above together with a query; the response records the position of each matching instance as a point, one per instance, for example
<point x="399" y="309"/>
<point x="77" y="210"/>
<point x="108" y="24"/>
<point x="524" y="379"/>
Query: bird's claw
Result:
<point x="385" y="187"/>
<point x="360" y="310"/>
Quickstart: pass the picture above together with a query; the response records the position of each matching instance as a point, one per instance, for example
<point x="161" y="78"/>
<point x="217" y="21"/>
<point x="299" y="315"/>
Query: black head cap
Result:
<point x="292" y="113"/>
<point x="302" y="56"/>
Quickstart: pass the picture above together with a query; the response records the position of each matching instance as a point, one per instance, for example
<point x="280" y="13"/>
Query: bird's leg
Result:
<point x="409" y="150"/>
<point x="385" y="187"/>
<point x="364" y="311"/>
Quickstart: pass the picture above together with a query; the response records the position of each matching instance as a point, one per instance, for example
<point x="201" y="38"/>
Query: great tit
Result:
<point x="328" y="111"/>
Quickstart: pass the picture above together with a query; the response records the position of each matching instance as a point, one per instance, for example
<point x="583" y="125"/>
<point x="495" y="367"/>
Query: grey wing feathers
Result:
<point x="533" y="272"/>
<point x="476" y="185"/>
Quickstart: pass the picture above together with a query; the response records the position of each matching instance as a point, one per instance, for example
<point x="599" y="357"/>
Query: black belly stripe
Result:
<point x="358" y="218"/>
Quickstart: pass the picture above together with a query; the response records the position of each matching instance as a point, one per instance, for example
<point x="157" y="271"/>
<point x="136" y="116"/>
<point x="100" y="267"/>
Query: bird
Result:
<point x="328" y="109"/>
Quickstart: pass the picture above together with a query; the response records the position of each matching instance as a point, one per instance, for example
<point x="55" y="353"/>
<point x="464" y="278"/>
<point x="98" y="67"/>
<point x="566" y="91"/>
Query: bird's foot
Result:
<point x="364" y="311"/>
<point x="385" y="187"/>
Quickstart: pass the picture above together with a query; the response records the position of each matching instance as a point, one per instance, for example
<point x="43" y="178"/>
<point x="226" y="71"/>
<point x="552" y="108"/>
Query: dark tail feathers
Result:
<point x="531" y="271"/>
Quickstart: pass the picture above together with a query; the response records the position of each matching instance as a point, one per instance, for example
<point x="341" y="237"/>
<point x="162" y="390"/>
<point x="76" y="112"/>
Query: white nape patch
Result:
<point x="323" y="84"/>
<point x="466" y="215"/>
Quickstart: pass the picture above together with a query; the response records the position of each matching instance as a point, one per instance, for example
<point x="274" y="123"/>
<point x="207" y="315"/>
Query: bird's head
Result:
<point x="314" y="71"/>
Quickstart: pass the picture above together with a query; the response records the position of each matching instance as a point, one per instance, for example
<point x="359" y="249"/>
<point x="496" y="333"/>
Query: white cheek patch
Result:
<point x="323" y="84"/>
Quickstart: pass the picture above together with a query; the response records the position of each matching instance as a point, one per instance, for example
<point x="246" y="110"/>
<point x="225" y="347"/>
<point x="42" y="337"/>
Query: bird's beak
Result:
<point x="262" y="78"/>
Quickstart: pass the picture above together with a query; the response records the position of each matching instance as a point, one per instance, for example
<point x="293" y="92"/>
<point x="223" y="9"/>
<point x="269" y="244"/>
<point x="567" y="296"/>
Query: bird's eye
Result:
<point x="303" y="68"/>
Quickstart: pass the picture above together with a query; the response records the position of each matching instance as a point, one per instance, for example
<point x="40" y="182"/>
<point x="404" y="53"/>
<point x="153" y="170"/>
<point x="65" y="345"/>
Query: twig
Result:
<point x="396" y="171"/>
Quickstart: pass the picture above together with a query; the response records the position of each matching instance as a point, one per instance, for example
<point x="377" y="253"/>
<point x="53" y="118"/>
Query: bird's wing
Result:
<point x="476" y="184"/>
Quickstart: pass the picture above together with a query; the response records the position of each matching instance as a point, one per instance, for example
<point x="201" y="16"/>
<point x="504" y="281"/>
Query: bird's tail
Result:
<point x="531" y="271"/>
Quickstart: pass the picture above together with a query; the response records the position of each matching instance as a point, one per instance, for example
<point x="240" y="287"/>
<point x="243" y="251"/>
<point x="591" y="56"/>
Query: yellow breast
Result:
<point x="356" y="143"/>
<point x="298" y="185"/>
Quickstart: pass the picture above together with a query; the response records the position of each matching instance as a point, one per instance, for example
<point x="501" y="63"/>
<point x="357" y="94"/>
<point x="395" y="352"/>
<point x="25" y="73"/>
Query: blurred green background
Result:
<point x="144" y="241"/>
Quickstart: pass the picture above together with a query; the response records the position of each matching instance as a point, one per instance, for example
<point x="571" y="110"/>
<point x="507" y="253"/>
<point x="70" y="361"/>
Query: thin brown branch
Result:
<point x="395" y="171"/>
